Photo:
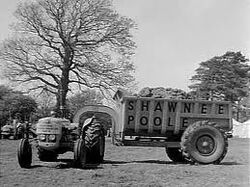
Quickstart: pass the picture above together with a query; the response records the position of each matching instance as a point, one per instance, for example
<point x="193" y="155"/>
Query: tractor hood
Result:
<point x="51" y="125"/>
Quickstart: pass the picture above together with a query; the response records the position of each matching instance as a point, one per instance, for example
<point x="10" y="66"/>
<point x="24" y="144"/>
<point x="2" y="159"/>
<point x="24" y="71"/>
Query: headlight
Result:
<point x="52" y="137"/>
<point x="42" y="137"/>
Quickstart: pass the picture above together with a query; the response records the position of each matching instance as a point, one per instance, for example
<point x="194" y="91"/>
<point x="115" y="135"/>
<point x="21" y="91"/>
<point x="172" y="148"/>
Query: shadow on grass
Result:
<point x="69" y="163"/>
<point x="73" y="166"/>
<point x="230" y="163"/>
<point x="35" y="166"/>
<point x="164" y="162"/>
<point x="160" y="162"/>
<point x="66" y="164"/>
<point x="143" y="161"/>
<point x="115" y="162"/>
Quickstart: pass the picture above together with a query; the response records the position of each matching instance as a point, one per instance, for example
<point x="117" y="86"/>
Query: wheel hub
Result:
<point x="205" y="144"/>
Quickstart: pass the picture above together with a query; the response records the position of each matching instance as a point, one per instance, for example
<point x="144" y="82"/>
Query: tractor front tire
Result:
<point x="203" y="143"/>
<point x="175" y="154"/>
<point x="24" y="153"/>
<point x="46" y="156"/>
<point x="80" y="154"/>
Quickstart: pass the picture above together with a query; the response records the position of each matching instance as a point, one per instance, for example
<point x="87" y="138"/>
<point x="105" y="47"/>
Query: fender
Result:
<point x="87" y="122"/>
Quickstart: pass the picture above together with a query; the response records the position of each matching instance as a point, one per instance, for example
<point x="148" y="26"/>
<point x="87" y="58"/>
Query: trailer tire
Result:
<point x="24" y="153"/>
<point x="203" y="143"/>
<point x="80" y="154"/>
<point x="46" y="156"/>
<point x="175" y="154"/>
<point x="95" y="142"/>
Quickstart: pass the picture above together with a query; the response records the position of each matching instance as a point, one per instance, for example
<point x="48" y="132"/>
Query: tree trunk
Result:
<point x="62" y="93"/>
<point x="238" y="111"/>
<point x="62" y="106"/>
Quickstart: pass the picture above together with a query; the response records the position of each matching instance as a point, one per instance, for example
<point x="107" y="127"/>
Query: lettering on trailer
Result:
<point x="171" y="109"/>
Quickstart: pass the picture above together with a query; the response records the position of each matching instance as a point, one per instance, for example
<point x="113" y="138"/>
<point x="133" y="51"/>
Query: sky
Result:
<point x="173" y="36"/>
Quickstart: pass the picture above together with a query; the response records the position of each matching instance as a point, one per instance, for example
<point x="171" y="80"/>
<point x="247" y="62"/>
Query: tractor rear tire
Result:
<point x="80" y="154"/>
<point x="46" y="156"/>
<point x="98" y="150"/>
<point x="95" y="143"/>
<point x="203" y="143"/>
<point x="24" y="153"/>
<point x="175" y="154"/>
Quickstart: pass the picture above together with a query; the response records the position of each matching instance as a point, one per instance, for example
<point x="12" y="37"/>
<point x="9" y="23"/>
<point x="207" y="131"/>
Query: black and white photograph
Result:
<point x="125" y="93"/>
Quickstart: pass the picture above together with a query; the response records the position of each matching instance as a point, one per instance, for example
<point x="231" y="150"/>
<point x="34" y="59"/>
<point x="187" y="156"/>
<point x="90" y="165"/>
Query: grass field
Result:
<point x="127" y="166"/>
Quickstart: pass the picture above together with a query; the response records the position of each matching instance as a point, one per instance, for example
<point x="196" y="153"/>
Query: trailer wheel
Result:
<point x="24" y="153"/>
<point x="95" y="142"/>
<point x="46" y="156"/>
<point x="175" y="154"/>
<point x="80" y="154"/>
<point x="203" y="143"/>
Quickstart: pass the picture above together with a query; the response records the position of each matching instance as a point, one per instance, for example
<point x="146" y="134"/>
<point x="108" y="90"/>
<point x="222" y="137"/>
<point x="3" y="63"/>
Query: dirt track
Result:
<point x="127" y="166"/>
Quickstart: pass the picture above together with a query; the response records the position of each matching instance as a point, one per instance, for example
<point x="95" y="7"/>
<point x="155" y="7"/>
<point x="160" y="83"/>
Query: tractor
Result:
<point x="56" y="136"/>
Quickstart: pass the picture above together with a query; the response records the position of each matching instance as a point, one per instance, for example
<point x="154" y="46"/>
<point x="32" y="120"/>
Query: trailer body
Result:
<point x="166" y="119"/>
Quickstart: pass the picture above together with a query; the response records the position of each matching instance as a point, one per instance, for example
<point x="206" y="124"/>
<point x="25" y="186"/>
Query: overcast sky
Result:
<point x="174" y="36"/>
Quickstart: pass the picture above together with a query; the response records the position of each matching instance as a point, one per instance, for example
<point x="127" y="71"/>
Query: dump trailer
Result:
<point x="190" y="130"/>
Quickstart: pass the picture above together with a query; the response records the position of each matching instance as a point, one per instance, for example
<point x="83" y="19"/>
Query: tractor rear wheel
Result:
<point x="175" y="154"/>
<point x="24" y="153"/>
<point x="203" y="143"/>
<point x="46" y="156"/>
<point x="80" y="154"/>
<point x="98" y="150"/>
<point x="95" y="143"/>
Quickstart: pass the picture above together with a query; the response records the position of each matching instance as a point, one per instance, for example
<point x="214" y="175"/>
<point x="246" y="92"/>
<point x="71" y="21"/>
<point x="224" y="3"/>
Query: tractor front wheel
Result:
<point x="80" y="154"/>
<point x="24" y="153"/>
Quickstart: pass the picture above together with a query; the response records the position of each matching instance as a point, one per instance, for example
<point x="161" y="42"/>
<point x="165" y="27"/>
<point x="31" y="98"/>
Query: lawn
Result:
<point x="127" y="166"/>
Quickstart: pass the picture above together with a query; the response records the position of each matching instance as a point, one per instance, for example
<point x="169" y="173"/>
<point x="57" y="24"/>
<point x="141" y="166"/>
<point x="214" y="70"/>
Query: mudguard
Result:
<point x="87" y="122"/>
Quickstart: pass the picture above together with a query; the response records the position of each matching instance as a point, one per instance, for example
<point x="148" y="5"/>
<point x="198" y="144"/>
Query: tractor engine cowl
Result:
<point x="49" y="132"/>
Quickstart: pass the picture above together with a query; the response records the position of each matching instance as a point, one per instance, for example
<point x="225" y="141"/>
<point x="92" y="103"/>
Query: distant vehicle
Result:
<point x="7" y="131"/>
<point x="10" y="131"/>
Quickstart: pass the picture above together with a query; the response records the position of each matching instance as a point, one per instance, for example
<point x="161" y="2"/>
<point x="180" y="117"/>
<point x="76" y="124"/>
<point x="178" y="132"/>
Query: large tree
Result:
<point x="63" y="44"/>
<point x="223" y="77"/>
